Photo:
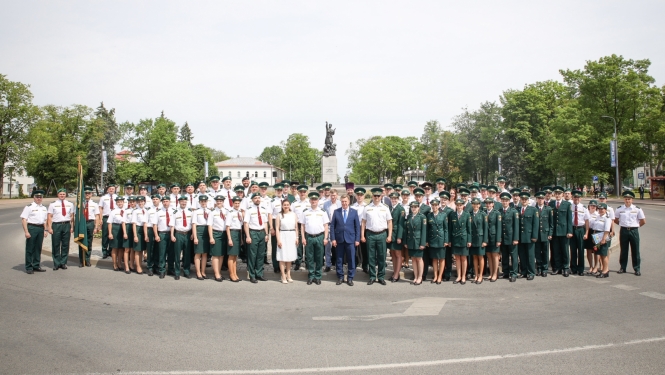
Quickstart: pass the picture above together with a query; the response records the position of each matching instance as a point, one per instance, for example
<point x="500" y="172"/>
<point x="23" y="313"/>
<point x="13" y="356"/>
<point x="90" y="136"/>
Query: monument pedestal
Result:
<point x="329" y="169"/>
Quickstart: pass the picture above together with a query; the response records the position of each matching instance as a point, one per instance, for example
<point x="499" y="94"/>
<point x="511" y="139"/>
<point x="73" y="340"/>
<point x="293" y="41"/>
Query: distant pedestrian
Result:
<point x="641" y="190"/>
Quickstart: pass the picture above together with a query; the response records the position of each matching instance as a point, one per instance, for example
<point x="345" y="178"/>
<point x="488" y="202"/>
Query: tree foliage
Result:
<point x="111" y="136"/>
<point x="272" y="155"/>
<point x="378" y="158"/>
<point x="300" y="160"/>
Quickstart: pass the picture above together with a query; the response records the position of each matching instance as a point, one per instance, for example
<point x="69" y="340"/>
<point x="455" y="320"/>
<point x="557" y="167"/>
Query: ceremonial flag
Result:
<point x="80" y="228"/>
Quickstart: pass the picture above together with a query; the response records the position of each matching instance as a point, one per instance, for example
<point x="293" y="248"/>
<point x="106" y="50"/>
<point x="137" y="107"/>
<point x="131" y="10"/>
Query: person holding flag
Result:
<point x="93" y="220"/>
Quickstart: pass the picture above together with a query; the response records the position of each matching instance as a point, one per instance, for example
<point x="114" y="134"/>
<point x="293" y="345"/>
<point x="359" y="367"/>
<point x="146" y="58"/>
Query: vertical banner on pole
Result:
<point x="104" y="162"/>
<point x="205" y="167"/>
<point x="613" y="158"/>
<point x="499" y="165"/>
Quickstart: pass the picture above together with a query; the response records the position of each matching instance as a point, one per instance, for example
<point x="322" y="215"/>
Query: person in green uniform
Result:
<point x="460" y="239"/>
<point x="444" y="198"/>
<point x="33" y="219"/>
<point x="479" y="238"/>
<point x="529" y="224"/>
<point x="493" y="236"/>
<point x="234" y="224"/>
<point x="437" y="239"/>
<point x="510" y="232"/>
<point x="138" y="221"/>
<point x="425" y="209"/>
<point x="396" y="245"/>
<point x="180" y="235"/>
<point x="376" y="220"/>
<point x="314" y="237"/>
<point x="92" y="223"/>
<point x="545" y="222"/>
<point x="463" y="194"/>
<point x="416" y="240"/>
<point x="201" y="237"/>
<point x="603" y="225"/>
<point x="256" y="231"/>
<point x="152" y="248"/>
<point x="515" y="193"/>
<point x="405" y="195"/>
<point x="562" y="232"/>
<point x="630" y="218"/>
<point x="60" y="226"/>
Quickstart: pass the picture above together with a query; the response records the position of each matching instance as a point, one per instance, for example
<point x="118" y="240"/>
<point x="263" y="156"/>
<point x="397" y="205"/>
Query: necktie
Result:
<point x="575" y="216"/>
<point x="557" y="204"/>
<point x="344" y="211"/>
<point x="258" y="211"/>
<point x="143" y="211"/>
<point x="184" y="219"/>
<point x="122" y="213"/>
<point x="205" y="214"/>
<point x="168" y="218"/>
<point x="427" y="200"/>
<point x="221" y="212"/>
<point x="64" y="211"/>
<point x="111" y="201"/>
<point x="86" y="210"/>
<point x="229" y="194"/>
<point x="523" y="211"/>
<point x="190" y="200"/>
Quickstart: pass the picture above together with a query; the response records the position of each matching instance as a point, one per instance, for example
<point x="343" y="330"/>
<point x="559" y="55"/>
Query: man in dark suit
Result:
<point x="345" y="235"/>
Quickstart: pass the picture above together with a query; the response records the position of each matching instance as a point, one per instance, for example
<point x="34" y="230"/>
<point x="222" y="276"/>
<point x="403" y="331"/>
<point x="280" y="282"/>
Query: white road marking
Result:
<point x="397" y="365"/>
<point x="625" y="287"/>
<point x="654" y="295"/>
<point x="427" y="306"/>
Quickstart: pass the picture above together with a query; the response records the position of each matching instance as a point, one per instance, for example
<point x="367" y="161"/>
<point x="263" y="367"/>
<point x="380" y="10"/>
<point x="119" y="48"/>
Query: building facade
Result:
<point x="13" y="181"/>
<point x="256" y="170"/>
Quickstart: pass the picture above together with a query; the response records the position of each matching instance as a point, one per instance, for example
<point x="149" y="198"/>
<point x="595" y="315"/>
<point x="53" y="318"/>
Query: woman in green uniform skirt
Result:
<point x="404" y="196"/>
<point x="603" y="225"/>
<point x="117" y="232"/>
<point x="139" y="219"/>
<point x="478" y="239"/>
<point x="437" y="239"/>
<point x="233" y="229"/>
<point x="493" y="239"/>
<point x="589" y="245"/>
<point x="128" y="242"/>
<point x="460" y="238"/>
<point x="217" y="235"/>
<point x="201" y="237"/>
<point x="396" y="244"/>
<point x="416" y="239"/>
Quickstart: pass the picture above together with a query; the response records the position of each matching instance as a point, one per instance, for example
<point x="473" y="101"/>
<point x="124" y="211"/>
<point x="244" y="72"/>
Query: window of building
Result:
<point x="264" y="174"/>
<point x="247" y="174"/>
<point x="238" y="174"/>
<point x="229" y="173"/>
<point x="256" y="174"/>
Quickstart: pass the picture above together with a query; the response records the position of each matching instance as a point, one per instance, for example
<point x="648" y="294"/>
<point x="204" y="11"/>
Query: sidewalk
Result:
<point x="638" y="202"/>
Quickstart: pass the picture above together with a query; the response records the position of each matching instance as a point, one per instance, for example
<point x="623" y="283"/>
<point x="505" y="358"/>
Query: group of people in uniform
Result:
<point x="476" y="227"/>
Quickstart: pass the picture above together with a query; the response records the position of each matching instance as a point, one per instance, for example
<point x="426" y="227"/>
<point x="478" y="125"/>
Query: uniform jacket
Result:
<point x="437" y="229"/>
<point x="460" y="229"/>
<point x="398" y="215"/>
<point x="494" y="227"/>
<point x="563" y="222"/>
<point x="416" y="231"/>
<point x="510" y="225"/>
<point x="478" y="229"/>
<point x="545" y="223"/>
<point x="529" y="224"/>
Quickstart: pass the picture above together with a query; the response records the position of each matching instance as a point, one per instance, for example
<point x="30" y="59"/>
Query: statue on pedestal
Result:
<point x="330" y="148"/>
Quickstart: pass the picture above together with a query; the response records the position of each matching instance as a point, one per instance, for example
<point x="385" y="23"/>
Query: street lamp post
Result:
<point x="616" y="150"/>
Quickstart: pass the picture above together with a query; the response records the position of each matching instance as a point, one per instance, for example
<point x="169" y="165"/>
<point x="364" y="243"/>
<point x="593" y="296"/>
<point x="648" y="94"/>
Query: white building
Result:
<point x="26" y="183"/>
<point x="256" y="170"/>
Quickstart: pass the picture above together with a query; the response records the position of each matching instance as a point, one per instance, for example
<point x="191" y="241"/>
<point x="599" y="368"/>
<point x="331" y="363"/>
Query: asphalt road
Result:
<point x="94" y="320"/>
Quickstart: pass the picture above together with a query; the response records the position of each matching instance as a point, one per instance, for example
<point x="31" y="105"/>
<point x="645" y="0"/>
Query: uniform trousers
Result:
<point x="164" y="246"/>
<point x="314" y="256"/>
<point x="255" y="253"/>
<point x="90" y="229"/>
<point x="577" y="250"/>
<point x="364" y="262"/>
<point x="629" y="237"/>
<point x="60" y="242"/>
<point x="105" y="236"/>
<point x="542" y="255"/>
<point x="527" y="258"/>
<point x="376" y="254"/>
<point x="33" y="247"/>
<point x="152" y="251"/>
<point x="181" y="251"/>
<point x="273" y="250"/>
<point x="509" y="260"/>
<point x="560" y="254"/>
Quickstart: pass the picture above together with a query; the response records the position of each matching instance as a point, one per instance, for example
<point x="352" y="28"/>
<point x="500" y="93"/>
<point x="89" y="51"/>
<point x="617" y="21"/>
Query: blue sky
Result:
<point x="247" y="74"/>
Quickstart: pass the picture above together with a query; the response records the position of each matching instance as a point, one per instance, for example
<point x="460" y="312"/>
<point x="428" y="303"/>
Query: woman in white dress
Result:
<point x="286" y="231"/>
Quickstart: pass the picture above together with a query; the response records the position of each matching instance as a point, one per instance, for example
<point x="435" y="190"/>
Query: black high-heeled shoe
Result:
<point x="462" y="282"/>
<point x="492" y="280"/>
<point x="199" y="278"/>
<point x="479" y="282"/>
<point x="128" y="272"/>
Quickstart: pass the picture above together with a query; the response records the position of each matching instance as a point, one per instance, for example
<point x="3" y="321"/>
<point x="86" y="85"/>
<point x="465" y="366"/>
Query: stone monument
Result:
<point x="329" y="160"/>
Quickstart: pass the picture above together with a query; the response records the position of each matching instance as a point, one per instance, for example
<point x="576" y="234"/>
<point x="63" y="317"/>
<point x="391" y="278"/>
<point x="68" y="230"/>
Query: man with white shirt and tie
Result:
<point x="377" y="231"/>
<point x="580" y="217"/>
<point x="92" y="222"/>
<point x="162" y="222"/>
<point x="630" y="218"/>
<point x="329" y="207"/>
<point x="256" y="230"/>
<point x="60" y="226"/>
<point x="106" y="205"/>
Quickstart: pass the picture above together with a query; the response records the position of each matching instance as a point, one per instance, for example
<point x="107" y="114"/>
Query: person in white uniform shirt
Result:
<point x="217" y="235"/>
<point x="117" y="232"/>
<point x="256" y="227"/>
<point x="630" y="218"/>
<point x="298" y="207"/>
<point x="93" y="221"/>
<point x="580" y="220"/>
<point x="192" y="197"/>
<point x="201" y="236"/>
<point x="376" y="220"/>
<point x="162" y="223"/>
<point x="152" y="247"/>
<point x="60" y="226"/>
<point x="33" y="219"/>
<point x="314" y="237"/>
<point x="106" y="205"/>
<point x="275" y="205"/>
<point x="226" y="191"/>
<point x="329" y="207"/>
<point x="181" y="233"/>
<point x="603" y="224"/>
<point x="139" y="220"/>
<point x="359" y="206"/>
<point x="234" y="229"/>
<point x="175" y="194"/>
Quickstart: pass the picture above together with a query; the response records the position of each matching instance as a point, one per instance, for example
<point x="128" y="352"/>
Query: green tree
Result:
<point x="186" y="134"/>
<point x="300" y="158"/>
<point x="447" y="155"/>
<point x="105" y="120"/>
<point x="380" y="158"/>
<point x="272" y="155"/>
<point x="17" y="117"/>
<point x="218" y="155"/>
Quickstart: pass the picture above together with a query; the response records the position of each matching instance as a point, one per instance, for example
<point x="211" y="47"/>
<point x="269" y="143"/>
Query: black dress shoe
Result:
<point x="339" y="282"/>
<point x="177" y="277"/>
<point x="310" y="281"/>
<point x="63" y="266"/>
<point x="266" y="262"/>
<point x="87" y="264"/>
<point x="512" y="279"/>
<point x="199" y="278"/>
<point x="219" y="280"/>
<point x="161" y="275"/>
<point x="506" y="276"/>
<point x="253" y="281"/>
<point x="621" y="270"/>
<point x="603" y="275"/>
<point x="327" y="269"/>
<point x="462" y="282"/>
<point x="29" y="272"/>
<point x="150" y="273"/>
<point x="370" y="282"/>
<point x="581" y="273"/>
<point x="566" y="273"/>
<point x="446" y="279"/>
<point x="128" y="272"/>
<point x="261" y="278"/>
<point x="456" y="282"/>
<point x="56" y="268"/>
<point x="382" y="282"/>
<point x="105" y="256"/>
<point x="233" y="281"/>
<point x="318" y="281"/>
<point x="187" y="275"/>
<point x="638" y="273"/>
<point x="544" y="274"/>
<point x="349" y="283"/>
<point x="529" y="278"/>
<point x="80" y="265"/>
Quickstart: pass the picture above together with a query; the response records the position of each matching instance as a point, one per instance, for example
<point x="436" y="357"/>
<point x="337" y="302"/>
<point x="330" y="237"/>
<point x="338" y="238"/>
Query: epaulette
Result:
<point x="305" y="209"/>
<point x="190" y="210"/>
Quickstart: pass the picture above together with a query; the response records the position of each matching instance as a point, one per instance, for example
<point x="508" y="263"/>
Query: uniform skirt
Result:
<point x="476" y="250"/>
<point x="139" y="246"/>
<point x="204" y="240"/>
<point x="219" y="248"/>
<point x="491" y="248"/>
<point x="394" y="246"/>
<point x="588" y="243"/>
<point x="129" y="242"/>
<point x="437" y="252"/>
<point x="603" y="250"/>
<point x="415" y="253"/>
<point x="117" y="242"/>
<point x="235" y="238"/>
<point x="461" y="250"/>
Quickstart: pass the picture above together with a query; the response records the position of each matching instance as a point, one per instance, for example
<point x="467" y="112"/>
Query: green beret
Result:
<point x="475" y="201"/>
<point x="576" y="193"/>
<point x="161" y="186"/>
<point x="501" y="178"/>
<point x="199" y="183"/>
<point x="226" y="178"/>
<point x="388" y="186"/>
<point x="220" y="198"/>
<point x="360" y="190"/>
<point x="87" y="189"/>
<point x="505" y="195"/>
<point x="426" y="184"/>
<point x="295" y="183"/>
<point x="214" y="178"/>
<point x="327" y="185"/>
<point x="525" y="188"/>
<point x="278" y="186"/>
<point x="602" y="195"/>
<point x="398" y="187"/>
<point x="254" y="195"/>
<point x="38" y="192"/>
<point x="394" y="195"/>
<point x="525" y="194"/>
<point x="203" y="197"/>
<point x="303" y="188"/>
<point x="547" y="189"/>
<point x="239" y="188"/>
<point x="463" y="191"/>
<point x="492" y="188"/>
<point x="252" y="183"/>
<point x="182" y="198"/>
<point x="319" y="187"/>
<point x="143" y="187"/>
<point x="119" y="198"/>
<point x="473" y="189"/>
<point x="461" y="186"/>
<point x="593" y="202"/>
<point x="377" y="191"/>
<point x="515" y="191"/>
<point x="460" y="201"/>
<point x="540" y="194"/>
<point x="236" y="199"/>
<point x="602" y="205"/>
<point x="414" y="204"/>
<point x="628" y="194"/>
<point x="62" y="191"/>
<point x="483" y="187"/>
<point x="131" y="198"/>
<point x="313" y="195"/>
<point x="567" y="191"/>
<point x="418" y="191"/>
<point x="129" y="185"/>
<point x="188" y="184"/>
<point x="286" y="183"/>
<point x="489" y="200"/>
<point x="412" y="183"/>
<point x="557" y="188"/>
<point x="264" y="185"/>
<point x="166" y="198"/>
<point x="174" y="185"/>
<point x="440" y="180"/>
<point x="140" y="198"/>
<point x="434" y="201"/>
<point x="406" y="192"/>
<point x="444" y="193"/>
<point x="155" y="196"/>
